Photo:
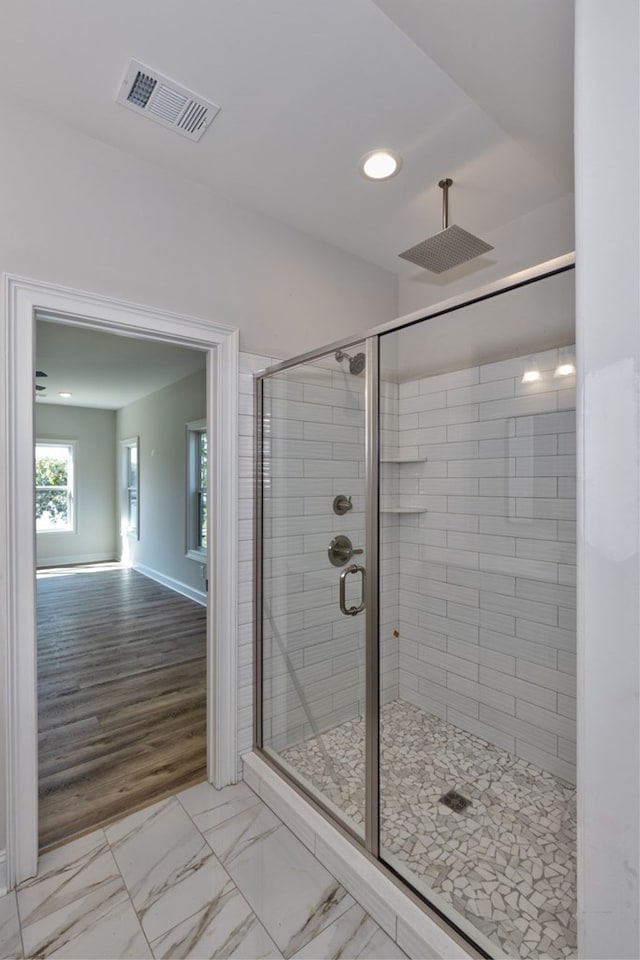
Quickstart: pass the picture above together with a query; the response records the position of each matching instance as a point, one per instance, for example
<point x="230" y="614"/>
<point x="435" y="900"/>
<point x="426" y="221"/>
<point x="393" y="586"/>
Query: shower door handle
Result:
<point x="350" y="611"/>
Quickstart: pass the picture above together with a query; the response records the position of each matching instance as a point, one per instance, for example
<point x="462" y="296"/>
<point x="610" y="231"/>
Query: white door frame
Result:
<point x="22" y="299"/>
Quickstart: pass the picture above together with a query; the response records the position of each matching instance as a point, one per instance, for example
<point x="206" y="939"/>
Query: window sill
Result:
<point x="47" y="533"/>
<point x="200" y="556"/>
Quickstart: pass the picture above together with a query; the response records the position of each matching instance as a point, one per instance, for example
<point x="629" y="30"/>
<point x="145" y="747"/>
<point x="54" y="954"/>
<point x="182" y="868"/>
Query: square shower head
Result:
<point x="446" y="249"/>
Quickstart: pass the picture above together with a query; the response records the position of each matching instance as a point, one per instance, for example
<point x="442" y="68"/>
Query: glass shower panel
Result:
<point x="313" y="627"/>
<point x="478" y="644"/>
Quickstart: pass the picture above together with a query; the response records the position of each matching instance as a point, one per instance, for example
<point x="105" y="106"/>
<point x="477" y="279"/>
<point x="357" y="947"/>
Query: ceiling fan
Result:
<point x="40" y="386"/>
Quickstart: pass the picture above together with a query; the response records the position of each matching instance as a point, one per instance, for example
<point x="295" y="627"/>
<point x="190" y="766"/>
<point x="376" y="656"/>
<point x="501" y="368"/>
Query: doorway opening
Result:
<point x="121" y="533"/>
<point x="25" y="301"/>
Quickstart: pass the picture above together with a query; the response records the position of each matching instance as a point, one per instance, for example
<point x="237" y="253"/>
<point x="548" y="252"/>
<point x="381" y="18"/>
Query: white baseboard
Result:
<point x="198" y="596"/>
<point x="76" y="558"/>
<point x="3" y="872"/>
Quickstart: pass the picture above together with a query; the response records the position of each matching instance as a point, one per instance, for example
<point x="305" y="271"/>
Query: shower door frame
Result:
<point x="371" y="842"/>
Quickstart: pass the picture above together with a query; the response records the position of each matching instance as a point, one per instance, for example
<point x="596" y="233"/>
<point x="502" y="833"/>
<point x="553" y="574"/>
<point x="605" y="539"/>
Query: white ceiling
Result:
<point x="106" y="370"/>
<point x="480" y="90"/>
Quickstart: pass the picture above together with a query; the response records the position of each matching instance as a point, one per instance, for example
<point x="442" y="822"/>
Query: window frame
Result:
<point x="126" y="527"/>
<point x="195" y="491"/>
<point x="70" y="486"/>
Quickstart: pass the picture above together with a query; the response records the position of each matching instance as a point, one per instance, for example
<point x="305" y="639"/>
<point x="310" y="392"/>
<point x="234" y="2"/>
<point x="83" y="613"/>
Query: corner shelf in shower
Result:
<point x="403" y="509"/>
<point x="403" y="459"/>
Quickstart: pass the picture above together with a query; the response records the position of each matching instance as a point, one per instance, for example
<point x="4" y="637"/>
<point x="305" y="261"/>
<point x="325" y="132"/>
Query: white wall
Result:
<point x="95" y="508"/>
<point x="77" y="212"/>
<point x="608" y="310"/>
<point x="159" y="421"/>
<point x="536" y="317"/>
<point x="487" y="571"/>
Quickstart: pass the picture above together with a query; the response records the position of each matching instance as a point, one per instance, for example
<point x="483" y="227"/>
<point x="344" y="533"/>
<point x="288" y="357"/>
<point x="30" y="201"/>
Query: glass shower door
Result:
<point x="312" y="475"/>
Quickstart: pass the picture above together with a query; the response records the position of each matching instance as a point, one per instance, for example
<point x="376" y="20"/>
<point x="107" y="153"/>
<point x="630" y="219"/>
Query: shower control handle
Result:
<point x="341" y="550"/>
<point x="350" y="611"/>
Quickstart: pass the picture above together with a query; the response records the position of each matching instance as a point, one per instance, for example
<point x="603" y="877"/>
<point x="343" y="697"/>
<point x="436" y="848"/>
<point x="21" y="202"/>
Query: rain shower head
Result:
<point x="449" y="248"/>
<point x="356" y="364"/>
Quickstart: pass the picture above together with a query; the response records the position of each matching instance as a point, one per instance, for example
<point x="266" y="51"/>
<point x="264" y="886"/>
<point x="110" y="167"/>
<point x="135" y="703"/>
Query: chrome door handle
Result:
<point x="350" y="611"/>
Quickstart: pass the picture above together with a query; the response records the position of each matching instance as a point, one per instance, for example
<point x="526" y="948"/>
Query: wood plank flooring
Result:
<point x="121" y="696"/>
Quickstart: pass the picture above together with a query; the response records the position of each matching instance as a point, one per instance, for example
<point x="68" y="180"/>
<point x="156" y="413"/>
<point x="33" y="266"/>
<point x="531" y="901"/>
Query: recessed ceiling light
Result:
<point x="530" y="376"/>
<point x="65" y="394"/>
<point x="564" y="370"/>
<point x="380" y="165"/>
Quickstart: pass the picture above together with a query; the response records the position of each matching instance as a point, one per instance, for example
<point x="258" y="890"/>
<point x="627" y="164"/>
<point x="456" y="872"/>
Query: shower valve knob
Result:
<point x="341" y="550"/>
<point x="342" y="505"/>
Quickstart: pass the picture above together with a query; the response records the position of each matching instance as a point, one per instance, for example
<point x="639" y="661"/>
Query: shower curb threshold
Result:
<point x="421" y="936"/>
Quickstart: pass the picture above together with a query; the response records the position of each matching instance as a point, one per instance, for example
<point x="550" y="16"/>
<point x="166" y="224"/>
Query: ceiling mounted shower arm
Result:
<point x="451" y="247"/>
<point x="444" y="186"/>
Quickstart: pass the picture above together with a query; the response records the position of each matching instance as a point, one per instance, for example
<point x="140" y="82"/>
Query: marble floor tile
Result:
<point x="67" y="874"/>
<point x="350" y="937"/>
<point x="234" y="836"/>
<point x="169" y="869"/>
<point x="226" y="928"/>
<point x="102" y="924"/>
<point x="289" y="890"/>
<point x="208" y="807"/>
<point x="152" y="886"/>
<point x="10" y="939"/>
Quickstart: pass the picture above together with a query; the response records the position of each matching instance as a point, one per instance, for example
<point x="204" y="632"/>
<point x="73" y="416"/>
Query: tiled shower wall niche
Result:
<point x="487" y="573"/>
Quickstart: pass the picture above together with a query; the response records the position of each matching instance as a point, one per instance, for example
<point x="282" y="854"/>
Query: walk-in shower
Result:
<point x="415" y="602"/>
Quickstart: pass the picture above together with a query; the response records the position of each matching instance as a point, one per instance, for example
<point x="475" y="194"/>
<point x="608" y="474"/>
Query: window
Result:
<point x="54" y="476"/>
<point x="129" y="489"/>
<point x="197" y="515"/>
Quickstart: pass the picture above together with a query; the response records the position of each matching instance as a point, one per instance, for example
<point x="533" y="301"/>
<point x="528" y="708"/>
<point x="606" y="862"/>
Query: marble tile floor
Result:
<point x="506" y="863"/>
<point x="207" y="873"/>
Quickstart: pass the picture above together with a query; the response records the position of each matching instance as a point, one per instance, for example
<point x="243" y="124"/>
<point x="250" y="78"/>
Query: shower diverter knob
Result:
<point x="342" y="504"/>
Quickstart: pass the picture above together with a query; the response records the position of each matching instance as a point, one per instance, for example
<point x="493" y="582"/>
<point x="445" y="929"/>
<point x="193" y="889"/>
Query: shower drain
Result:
<point x="455" y="801"/>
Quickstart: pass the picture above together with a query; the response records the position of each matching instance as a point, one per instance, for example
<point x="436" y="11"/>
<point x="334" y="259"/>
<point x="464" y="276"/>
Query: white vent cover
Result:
<point x="147" y="92"/>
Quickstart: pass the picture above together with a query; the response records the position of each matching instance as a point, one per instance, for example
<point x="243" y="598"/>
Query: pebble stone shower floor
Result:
<point x="507" y="862"/>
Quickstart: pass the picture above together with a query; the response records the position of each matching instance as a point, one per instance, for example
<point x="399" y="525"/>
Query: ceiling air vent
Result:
<point x="147" y="92"/>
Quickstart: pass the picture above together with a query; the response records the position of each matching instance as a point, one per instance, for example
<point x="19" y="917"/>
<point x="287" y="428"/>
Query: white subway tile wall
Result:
<point x="486" y="578"/>
<point x="313" y="656"/>
<point x="313" y="659"/>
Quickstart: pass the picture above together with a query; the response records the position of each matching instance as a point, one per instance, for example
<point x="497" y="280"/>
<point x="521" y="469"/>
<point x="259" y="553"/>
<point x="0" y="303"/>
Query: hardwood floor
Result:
<point x="121" y="696"/>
